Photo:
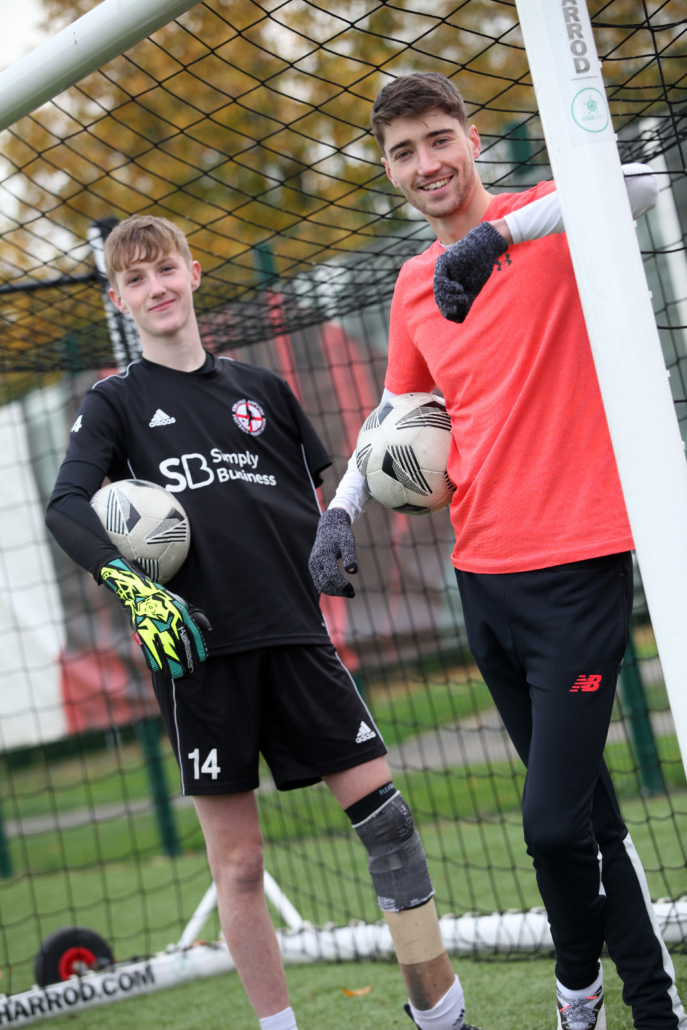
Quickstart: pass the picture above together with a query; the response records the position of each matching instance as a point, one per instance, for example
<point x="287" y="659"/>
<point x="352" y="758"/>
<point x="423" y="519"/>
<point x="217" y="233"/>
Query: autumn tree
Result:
<point x="251" y="124"/>
<point x="248" y="123"/>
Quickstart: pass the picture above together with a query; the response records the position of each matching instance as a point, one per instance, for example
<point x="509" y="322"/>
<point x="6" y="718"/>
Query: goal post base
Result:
<point x="513" y="932"/>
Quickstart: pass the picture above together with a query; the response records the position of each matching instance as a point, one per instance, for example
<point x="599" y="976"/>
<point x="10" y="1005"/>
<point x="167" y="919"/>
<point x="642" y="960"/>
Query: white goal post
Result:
<point x="617" y="307"/>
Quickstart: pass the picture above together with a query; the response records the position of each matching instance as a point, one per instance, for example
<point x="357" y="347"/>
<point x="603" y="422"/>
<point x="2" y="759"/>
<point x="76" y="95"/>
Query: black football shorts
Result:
<point x="296" y="705"/>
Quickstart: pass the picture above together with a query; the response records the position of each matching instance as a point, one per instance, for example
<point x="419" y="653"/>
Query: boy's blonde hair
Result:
<point x="142" y="238"/>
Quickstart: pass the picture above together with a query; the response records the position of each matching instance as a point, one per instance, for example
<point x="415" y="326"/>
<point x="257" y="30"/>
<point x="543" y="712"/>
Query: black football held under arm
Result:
<point x="72" y="521"/>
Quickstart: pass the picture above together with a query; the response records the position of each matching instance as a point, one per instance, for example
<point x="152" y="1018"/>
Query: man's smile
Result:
<point x="430" y="187"/>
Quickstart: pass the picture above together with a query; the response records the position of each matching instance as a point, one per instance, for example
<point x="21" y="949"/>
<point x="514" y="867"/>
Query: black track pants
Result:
<point x="549" y="644"/>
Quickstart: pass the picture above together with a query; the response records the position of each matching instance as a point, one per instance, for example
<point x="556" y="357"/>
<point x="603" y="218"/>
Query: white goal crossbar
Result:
<point x="82" y="47"/>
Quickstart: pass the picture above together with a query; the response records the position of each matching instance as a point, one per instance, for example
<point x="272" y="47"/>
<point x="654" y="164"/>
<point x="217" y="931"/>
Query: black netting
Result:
<point x="247" y="124"/>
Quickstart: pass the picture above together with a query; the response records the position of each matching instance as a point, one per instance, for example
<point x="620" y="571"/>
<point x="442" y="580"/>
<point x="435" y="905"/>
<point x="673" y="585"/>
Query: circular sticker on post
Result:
<point x="590" y="111"/>
<point x="249" y="416"/>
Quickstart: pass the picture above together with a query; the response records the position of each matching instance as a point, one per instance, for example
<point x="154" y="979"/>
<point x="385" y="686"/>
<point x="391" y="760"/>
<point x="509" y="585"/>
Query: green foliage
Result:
<point x="246" y="123"/>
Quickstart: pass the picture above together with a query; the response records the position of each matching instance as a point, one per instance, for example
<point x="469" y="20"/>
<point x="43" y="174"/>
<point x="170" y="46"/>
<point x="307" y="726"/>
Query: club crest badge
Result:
<point x="249" y="417"/>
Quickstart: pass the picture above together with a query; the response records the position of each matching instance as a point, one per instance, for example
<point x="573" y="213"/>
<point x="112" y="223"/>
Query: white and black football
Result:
<point x="146" y="523"/>
<point x="403" y="450"/>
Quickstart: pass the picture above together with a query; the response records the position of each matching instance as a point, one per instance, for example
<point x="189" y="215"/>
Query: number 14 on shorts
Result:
<point x="209" y="766"/>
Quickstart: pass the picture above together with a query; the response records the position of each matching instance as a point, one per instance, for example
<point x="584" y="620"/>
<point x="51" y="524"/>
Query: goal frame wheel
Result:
<point x="70" y="951"/>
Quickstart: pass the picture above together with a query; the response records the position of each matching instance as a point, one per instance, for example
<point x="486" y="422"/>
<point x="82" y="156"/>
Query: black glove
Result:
<point x="334" y="540"/>
<point x="164" y="626"/>
<point x="463" y="269"/>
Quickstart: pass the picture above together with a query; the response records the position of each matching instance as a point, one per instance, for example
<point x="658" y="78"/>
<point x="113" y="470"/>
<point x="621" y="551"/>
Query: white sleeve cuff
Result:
<point x="540" y="218"/>
<point x="543" y="217"/>
<point x="352" y="493"/>
<point x="642" y="188"/>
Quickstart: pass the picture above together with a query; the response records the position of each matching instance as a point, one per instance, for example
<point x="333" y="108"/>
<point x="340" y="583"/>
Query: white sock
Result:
<point x="284" y="1020"/>
<point x="447" y="1014"/>
<point x="588" y="991"/>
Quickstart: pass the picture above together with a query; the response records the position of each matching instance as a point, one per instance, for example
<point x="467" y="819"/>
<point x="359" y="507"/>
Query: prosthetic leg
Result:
<point x="398" y="867"/>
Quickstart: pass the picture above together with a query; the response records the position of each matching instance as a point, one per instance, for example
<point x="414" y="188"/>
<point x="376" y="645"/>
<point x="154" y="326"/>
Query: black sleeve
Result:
<point x="98" y="436"/>
<point x="316" y="455"/>
<point x="96" y="449"/>
<point x="73" y="522"/>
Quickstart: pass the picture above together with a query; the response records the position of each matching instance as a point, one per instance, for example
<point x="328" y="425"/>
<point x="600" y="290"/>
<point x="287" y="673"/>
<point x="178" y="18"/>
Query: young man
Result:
<point x="233" y="442"/>
<point x="543" y="543"/>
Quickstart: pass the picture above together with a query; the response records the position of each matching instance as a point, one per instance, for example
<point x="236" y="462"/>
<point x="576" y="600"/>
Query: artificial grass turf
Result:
<point x="109" y="875"/>
<point x="501" y="994"/>
<point x="116" y="774"/>
<point x="142" y="906"/>
<point x="467" y="793"/>
<point x="404" y="703"/>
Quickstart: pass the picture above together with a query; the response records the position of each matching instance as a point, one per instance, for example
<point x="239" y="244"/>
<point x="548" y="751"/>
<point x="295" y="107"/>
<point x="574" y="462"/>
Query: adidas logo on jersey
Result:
<point x="161" y="418"/>
<point x="364" y="733"/>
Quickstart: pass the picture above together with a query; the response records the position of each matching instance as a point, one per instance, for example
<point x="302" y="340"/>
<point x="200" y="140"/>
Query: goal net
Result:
<point x="248" y="125"/>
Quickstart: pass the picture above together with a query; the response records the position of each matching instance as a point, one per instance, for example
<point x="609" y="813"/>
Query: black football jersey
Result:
<point x="232" y="443"/>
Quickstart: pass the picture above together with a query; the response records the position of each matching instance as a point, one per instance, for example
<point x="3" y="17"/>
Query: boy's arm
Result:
<point x="463" y="269"/>
<point x="352" y="493"/>
<point x="72" y="521"/>
<point x="315" y="454"/>
<point x="96" y="450"/>
<point x="163" y="625"/>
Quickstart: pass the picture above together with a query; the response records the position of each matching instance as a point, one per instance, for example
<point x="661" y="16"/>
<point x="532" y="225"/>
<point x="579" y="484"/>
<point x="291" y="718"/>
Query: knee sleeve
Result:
<point x="396" y="860"/>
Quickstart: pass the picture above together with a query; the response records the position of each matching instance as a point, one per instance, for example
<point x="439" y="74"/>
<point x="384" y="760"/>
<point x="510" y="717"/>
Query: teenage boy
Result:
<point x="233" y="442"/>
<point x="543" y="543"/>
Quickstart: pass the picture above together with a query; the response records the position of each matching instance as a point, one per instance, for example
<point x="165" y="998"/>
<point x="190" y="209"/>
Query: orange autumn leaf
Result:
<point x="357" y="992"/>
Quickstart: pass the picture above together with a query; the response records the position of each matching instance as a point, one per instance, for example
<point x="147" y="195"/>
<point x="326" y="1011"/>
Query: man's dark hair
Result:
<point x="412" y="95"/>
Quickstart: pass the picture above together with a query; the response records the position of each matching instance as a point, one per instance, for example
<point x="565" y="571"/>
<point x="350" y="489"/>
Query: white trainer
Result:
<point x="581" y="1013"/>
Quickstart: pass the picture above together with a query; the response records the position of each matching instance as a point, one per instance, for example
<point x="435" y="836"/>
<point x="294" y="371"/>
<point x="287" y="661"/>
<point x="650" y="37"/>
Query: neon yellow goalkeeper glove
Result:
<point x="167" y="630"/>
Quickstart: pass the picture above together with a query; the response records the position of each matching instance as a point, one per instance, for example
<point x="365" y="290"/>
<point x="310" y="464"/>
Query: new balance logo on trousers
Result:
<point x="586" y="683"/>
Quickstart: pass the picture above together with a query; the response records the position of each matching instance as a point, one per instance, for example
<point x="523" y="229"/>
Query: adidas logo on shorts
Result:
<point x="161" y="418"/>
<point x="364" y="733"/>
